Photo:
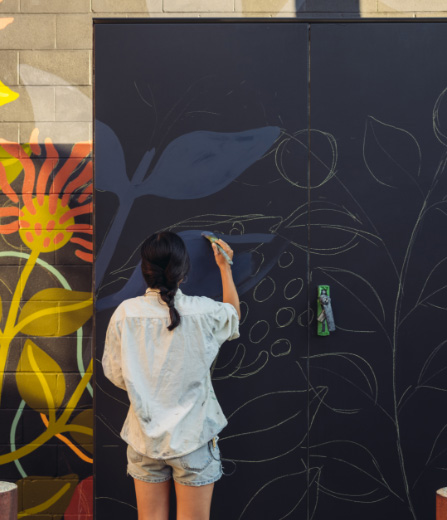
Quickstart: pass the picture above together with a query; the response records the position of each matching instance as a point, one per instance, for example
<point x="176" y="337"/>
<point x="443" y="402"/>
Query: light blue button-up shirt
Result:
<point x="173" y="409"/>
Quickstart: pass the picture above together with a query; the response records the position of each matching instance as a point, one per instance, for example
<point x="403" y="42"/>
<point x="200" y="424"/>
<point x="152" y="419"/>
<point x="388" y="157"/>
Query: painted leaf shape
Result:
<point x="203" y="278"/>
<point x="84" y="418"/>
<point x="41" y="494"/>
<point x="81" y="504"/>
<point x="40" y="381"/>
<point x="13" y="166"/>
<point x="201" y="163"/>
<point x="392" y="155"/>
<point x="6" y="94"/>
<point x="55" y="312"/>
<point x="110" y="174"/>
<point x="285" y="496"/>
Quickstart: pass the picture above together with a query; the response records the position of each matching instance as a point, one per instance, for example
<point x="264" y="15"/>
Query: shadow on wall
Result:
<point x="316" y="8"/>
<point x="329" y="8"/>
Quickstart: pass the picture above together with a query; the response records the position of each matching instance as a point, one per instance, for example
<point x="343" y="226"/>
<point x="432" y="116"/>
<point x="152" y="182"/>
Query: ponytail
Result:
<point x="168" y="296"/>
<point x="164" y="264"/>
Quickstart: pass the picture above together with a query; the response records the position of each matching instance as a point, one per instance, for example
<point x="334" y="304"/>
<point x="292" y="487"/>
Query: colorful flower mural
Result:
<point x="46" y="208"/>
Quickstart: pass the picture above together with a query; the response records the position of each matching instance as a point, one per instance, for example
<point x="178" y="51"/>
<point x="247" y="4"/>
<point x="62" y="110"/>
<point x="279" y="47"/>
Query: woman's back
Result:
<point x="159" y="348"/>
<point x="167" y="373"/>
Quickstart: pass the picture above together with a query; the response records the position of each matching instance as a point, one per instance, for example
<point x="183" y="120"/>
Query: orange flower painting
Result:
<point x="45" y="217"/>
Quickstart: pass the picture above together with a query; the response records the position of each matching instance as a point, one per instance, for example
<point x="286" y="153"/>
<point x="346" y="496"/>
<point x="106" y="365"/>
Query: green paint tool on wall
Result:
<point x="325" y="316"/>
<point x="213" y="239"/>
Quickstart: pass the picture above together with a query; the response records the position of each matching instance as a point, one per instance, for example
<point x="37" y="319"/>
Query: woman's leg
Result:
<point x="152" y="500"/>
<point x="193" y="502"/>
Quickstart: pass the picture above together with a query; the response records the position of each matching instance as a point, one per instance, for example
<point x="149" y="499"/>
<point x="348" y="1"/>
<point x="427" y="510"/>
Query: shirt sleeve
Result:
<point x="111" y="359"/>
<point x="224" y="322"/>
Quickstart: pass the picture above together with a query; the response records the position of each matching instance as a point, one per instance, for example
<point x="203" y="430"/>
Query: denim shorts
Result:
<point x="201" y="467"/>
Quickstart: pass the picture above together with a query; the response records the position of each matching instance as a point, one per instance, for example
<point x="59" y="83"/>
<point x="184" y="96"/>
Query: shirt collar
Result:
<point x="156" y="292"/>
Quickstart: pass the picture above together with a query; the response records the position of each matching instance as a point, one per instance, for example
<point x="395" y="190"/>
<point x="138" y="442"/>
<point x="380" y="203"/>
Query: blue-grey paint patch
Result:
<point x="204" y="278"/>
<point x="201" y="163"/>
<point x="192" y="166"/>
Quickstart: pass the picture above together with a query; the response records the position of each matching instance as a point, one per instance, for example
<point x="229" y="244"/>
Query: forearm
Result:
<point x="229" y="289"/>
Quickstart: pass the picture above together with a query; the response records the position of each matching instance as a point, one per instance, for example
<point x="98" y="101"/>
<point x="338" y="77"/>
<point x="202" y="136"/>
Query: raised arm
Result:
<point x="228" y="288"/>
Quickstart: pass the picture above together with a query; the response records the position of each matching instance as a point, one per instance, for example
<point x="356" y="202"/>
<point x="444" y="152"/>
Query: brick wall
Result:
<point x="46" y="231"/>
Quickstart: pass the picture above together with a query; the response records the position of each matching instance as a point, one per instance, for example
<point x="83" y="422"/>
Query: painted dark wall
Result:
<point x="207" y="126"/>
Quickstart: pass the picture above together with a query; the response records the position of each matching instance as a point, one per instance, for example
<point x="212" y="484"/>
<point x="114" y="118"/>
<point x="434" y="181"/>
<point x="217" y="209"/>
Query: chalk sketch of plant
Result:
<point x="393" y="158"/>
<point x="350" y="226"/>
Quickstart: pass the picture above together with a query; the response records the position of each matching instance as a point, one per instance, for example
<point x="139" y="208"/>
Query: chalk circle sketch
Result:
<point x="290" y="286"/>
<point x="258" y="258"/>
<point x="281" y="347"/>
<point x="231" y="367"/>
<point x="295" y="148"/>
<point x="267" y="288"/>
<point x="237" y="229"/>
<point x="254" y="367"/>
<point x="438" y="130"/>
<point x="284" y="316"/>
<point x="244" y="311"/>
<point x="306" y="318"/>
<point x="260" y="330"/>
<point x="286" y="259"/>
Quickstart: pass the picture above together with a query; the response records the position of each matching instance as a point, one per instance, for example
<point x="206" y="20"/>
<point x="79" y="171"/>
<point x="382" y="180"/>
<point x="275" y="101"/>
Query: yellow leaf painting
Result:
<point x="37" y="380"/>
<point x="6" y="94"/>
<point x="84" y="418"/>
<point x="39" y="494"/>
<point x="55" y="312"/>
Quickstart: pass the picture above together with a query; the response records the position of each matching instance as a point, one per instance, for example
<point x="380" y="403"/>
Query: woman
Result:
<point x="159" y="348"/>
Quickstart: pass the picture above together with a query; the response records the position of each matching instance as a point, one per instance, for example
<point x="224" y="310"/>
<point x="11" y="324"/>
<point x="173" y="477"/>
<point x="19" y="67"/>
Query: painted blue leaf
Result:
<point x="201" y="163"/>
<point x="204" y="278"/>
<point x="110" y="164"/>
<point x="192" y="166"/>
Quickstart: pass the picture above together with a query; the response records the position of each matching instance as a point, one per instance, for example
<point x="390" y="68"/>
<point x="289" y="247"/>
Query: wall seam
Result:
<point x="308" y="274"/>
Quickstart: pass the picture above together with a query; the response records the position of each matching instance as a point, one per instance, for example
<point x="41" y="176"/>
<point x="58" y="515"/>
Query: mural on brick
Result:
<point x="6" y="94"/>
<point x="45" y="340"/>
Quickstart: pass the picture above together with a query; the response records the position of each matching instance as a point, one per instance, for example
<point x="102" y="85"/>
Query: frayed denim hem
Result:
<point x="148" y="480"/>
<point x="202" y="483"/>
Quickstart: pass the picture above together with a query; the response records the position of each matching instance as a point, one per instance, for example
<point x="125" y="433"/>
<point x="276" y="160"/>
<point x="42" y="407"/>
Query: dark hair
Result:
<point x="164" y="263"/>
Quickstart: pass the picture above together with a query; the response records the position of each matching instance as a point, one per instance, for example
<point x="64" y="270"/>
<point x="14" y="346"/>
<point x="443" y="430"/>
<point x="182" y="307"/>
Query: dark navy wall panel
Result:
<point x="209" y="126"/>
<point x="378" y="238"/>
<point x="204" y="127"/>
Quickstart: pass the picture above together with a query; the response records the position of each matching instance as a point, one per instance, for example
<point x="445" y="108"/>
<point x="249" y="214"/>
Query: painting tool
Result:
<point x="213" y="239"/>
<point x="325" y="316"/>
